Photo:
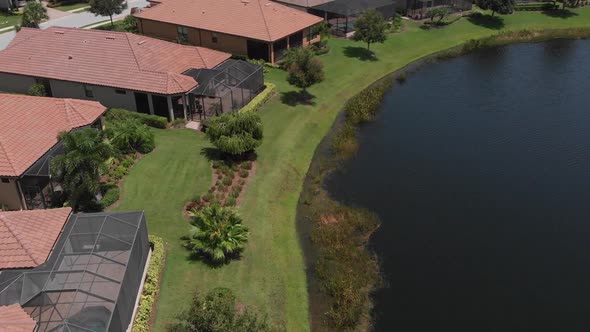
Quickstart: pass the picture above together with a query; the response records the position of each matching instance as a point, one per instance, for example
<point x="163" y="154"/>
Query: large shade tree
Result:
<point x="370" y="28"/>
<point x="496" y="6"/>
<point x="107" y="8"/>
<point x="217" y="312"/>
<point x="235" y="133"/>
<point x="33" y="14"/>
<point x="217" y="233"/>
<point x="78" y="170"/>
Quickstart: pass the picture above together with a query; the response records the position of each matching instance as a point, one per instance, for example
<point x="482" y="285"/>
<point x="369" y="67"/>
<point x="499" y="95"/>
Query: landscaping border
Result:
<point x="146" y="313"/>
<point x="316" y="209"/>
<point x="257" y="102"/>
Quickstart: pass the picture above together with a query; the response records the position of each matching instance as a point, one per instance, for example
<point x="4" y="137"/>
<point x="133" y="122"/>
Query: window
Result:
<point x="5" y="180"/>
<point x="88" y="91"/>
<point x="214" y="37"/>
<point x="120" y="92"/>
<point x="182" y="33"/>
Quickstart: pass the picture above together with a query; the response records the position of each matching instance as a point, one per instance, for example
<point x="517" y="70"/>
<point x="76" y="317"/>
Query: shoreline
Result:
<point x="315" y="202"/>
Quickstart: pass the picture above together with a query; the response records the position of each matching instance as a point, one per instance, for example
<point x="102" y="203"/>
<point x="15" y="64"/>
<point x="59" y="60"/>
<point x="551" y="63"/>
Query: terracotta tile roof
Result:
<point x="14" y="319"/>
<point x="27" y="237"/>
<point x="257" y="19"/>
<point x="106" y="58"/>
<point x="29" y="127"/>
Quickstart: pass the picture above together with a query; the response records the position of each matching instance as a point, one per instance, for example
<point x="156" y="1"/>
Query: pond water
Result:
<point x="479" y="168"/>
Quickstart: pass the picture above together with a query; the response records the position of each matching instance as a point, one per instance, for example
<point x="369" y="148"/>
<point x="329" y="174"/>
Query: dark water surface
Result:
<point x="479" y="168"/>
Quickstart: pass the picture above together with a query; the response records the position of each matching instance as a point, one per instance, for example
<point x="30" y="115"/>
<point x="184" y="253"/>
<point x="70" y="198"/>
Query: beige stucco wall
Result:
<point x="158" y="29"/>
<point x="226" y="43"/>
<point x="102" y="94"/>
<point x="15" y="83"/>
<point x="9" y="197"/>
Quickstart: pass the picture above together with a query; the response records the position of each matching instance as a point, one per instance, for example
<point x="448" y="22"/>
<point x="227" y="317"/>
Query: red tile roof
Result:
<point x="257" y="19"/>
<point x="27" y="237"/>
<point x="14" y="319"/>
<point x="106" y="58"/>
<point x="29" y="127"/>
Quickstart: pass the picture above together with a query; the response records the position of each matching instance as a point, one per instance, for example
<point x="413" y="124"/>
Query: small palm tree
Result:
<point x="131" y="135"/>
<point x="78" y="169"/>
<point x="217" y="233"/>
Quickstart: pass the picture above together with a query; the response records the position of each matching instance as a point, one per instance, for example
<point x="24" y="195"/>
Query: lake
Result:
<point x="479" y="168"/>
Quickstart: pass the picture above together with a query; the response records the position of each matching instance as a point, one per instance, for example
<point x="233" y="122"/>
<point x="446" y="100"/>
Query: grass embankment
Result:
<point x="9" y="19"/>
<point x="271" y="275"/>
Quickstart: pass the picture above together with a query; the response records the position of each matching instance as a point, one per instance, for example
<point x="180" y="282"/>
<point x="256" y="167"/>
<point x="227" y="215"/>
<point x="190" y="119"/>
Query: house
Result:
<point x="258" y="29"/>
<point x="71" y="272"/>
<point x="117" y="69"/>
<point x="29" y="129"/>
<point x="417" y="9"/>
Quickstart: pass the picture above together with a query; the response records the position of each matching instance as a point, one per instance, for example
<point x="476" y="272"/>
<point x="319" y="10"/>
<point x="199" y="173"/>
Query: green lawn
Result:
<point x="271" y="275"/>
<point x="9" y="20"/>
<point x="72" y="6"/>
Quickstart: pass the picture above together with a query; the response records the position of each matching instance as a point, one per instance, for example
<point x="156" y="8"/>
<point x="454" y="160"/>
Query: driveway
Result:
<point x="74" y="21"/>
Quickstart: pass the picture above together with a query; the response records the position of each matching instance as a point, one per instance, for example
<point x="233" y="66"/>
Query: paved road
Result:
<point x="74" y="21"/>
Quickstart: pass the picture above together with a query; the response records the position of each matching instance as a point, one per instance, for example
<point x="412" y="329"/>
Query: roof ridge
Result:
<point x="3" y="150"/>
<point x="3" y="218"/>
<point x="69" y="105"/>
<point x="133" y="52"/>
<point x="264" y="19"/>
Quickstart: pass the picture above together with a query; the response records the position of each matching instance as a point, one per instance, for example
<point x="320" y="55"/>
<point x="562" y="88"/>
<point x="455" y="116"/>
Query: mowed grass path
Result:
<point x="271" y="275"/>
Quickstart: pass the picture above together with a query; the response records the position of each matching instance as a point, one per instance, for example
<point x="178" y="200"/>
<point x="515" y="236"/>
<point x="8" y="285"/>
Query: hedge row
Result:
<point x="119" y="114"/>
<point x="151" y="287"/>
<point x="110" y="197"/>
<point x="255" y="104"/>
<point x="536" y="6"/>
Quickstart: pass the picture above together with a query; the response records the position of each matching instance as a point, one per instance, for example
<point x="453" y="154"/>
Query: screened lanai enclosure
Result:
<point x="225" y="88"/>
<point x="90" y="281"/>
<point x="341" y="14"/>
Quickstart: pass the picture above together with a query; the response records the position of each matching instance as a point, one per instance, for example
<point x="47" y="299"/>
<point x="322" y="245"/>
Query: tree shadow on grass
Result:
<point x="360" y="53"/>
<point x="487" y="21"/>
<point x="213" y="154"/>
<point x="560" y="13"/>
<point x="294" y="98"/>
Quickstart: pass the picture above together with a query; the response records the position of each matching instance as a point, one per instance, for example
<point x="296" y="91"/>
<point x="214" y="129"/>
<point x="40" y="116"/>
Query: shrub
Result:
<point x="110" y="196"/>
<point x="151" y="286"/>
<point x="235" y="133"/>
<point x="37" y="89"/>
<point x="218" y="312"/>
<point x="131" y="135"/>
<point x="255" y="104"/>
<point x="234" y="194"/>
<point x="227" y="181"/>
<point x="244" y="173"/>
<point x="218" y="233"/>
<point x="207" y="197"/>
<point x="216" y="164"/>
<point x="230" y="201"/>
<point x="119" y="114"/>
<point x="246" y="165"/>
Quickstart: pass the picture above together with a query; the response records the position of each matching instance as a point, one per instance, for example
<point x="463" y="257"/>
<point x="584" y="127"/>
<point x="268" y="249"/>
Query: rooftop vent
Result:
<point x="59" y="32"/>
<point x="110" y="38"/>
<point x="70" y="57"/>
<point x="141" y="42"/>
<point x="245" y="2"/>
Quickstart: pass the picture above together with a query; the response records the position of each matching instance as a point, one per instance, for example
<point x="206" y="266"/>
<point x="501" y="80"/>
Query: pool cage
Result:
<point x="225" y="88"/>
<point x="90" y="281"/>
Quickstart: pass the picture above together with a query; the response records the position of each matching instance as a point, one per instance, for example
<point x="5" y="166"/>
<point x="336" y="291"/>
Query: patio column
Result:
<point x="184" y="103"/>
<point x="271" y="49"/>
<point x="151" y="103"/>
<point x="170" y="108"/>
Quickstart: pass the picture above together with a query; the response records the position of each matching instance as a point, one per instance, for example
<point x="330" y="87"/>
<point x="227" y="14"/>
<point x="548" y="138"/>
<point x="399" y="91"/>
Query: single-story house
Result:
<point x="258" y="29"/>
<point x="417" y="9"/>
<point x="29" y="127"/>
<point x="118" y="69"/>
<point x="71" y="272"/>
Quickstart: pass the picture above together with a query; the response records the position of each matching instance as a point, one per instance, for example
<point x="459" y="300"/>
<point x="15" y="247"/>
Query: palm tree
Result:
<point x="78" y="169"/>
<point x="131" y="135"/>
<point x="218" y="233"/>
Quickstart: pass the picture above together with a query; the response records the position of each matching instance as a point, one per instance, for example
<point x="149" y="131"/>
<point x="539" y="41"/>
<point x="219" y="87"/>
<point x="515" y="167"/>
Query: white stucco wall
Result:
<point x="15" y="83"/>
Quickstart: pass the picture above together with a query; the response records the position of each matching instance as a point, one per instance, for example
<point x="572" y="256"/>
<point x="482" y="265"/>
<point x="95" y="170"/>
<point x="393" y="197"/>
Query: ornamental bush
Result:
<point x="131" y="135"/>
<point x="235" y="133"/>
<point x="119" y="114"/>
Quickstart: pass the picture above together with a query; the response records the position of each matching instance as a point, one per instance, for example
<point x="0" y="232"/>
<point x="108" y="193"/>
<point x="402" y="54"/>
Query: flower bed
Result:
<point x="229" y="181"/>
<point x="111" y="180"/>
